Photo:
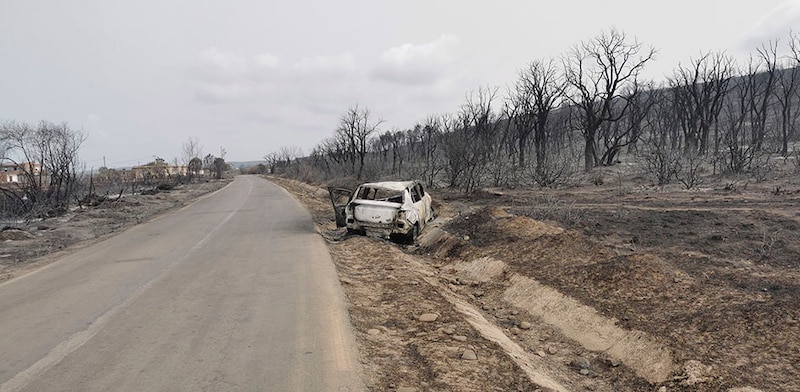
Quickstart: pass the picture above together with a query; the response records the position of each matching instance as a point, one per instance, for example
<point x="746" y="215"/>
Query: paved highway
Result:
<point x="235" y="292"/>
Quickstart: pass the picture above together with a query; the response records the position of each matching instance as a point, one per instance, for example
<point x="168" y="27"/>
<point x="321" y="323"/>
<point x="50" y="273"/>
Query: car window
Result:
<point x="367" y="193"/>
<point x="416" y="193"/>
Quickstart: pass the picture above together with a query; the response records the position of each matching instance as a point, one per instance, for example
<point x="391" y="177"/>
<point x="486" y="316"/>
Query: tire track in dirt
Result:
<point x="583" y="324"/>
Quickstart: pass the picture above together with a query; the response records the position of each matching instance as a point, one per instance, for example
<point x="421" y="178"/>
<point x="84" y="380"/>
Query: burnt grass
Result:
<point x="715" y="279"/>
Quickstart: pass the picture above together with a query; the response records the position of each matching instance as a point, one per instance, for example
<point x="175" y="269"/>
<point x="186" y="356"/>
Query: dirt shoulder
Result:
<point x="604" y="290"/>
<point x="30" y="245"/>
<point x="390" y="287"/>
<point x="410" y="337"/>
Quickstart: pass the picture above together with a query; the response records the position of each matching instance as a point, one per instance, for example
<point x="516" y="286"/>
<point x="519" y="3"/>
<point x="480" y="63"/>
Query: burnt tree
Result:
<point x="700" y="91"/>
<point x="355" y="128"/>
<point x="596" y="73"/>
<point x="786" y="93"/>
<point x="538" y="90"/>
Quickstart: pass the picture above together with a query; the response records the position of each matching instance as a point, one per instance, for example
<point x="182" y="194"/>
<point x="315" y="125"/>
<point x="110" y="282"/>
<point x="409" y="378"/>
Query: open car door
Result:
<point x="339" y="198"/>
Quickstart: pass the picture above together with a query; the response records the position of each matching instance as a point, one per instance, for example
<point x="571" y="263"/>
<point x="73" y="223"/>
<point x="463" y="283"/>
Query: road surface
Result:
<point x="235" y="292"/>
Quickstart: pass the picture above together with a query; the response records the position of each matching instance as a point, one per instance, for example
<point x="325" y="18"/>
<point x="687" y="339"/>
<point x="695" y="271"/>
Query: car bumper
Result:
<point x="381" y="230"/>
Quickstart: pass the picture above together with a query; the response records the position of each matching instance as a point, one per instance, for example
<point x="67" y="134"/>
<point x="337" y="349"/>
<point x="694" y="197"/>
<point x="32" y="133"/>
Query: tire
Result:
<point x="411" y="236"/>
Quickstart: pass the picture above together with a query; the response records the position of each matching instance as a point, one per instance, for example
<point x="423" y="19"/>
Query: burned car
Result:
<point x="391" y="209"/>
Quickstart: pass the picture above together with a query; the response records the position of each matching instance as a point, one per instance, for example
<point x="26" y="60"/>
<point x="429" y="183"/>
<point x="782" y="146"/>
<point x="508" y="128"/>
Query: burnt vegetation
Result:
<point x="590" y="108"/>
<point x="41" y="171"/>
<point x="42" y="176"/>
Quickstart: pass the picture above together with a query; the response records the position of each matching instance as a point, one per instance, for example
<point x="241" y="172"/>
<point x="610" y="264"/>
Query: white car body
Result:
<point x="384" y="209"/>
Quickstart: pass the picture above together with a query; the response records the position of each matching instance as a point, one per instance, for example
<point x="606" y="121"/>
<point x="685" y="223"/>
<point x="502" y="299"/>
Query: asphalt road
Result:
<point x="235" y="292"/>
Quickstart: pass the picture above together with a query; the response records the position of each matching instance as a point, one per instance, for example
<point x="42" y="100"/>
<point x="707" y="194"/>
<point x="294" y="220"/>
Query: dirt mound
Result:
<point x="440" y="244"/>
<point x="645" y="355"/>
<point x="483" y="270"/>
<point x="639" y="271"/>
<point x="712" y="286"/>
<point x="526" y="227"/>
<point x="531" y="247"/>
<point x="12" y="234"/>
<point x="509" y="236"/>
<point x="649" y="358"/>
<point x="570" y="248"/>
<point x="489" y="224"/>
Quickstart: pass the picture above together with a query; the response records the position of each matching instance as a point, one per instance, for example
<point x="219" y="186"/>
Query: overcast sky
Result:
<point x="141" y="77"/>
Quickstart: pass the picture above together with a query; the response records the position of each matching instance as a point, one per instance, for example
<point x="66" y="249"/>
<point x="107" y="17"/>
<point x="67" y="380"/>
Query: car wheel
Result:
<point x="412" y="235"/>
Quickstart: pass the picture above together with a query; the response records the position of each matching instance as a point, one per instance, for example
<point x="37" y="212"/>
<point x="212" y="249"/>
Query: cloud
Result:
<point x="306" y="95"/>
<point x="223" y="61"/>
<point x="93" y="119"/>
<point x="775" y="25"/>
<point x="336" y="65"/>
<point x="222" y="77"/>
<point x="267" y="60"/>
<point x="93" y="125"/>
<point x="216" y="65"/>
<point x="210" y="92"/>
<point x="416" y="64"/>
<point x="268" y="89"/>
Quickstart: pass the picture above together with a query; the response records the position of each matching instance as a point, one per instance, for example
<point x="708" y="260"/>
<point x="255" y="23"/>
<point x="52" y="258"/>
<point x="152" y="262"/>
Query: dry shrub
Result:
<point x="661" y="164"/>
<point x="551" y="208"/>
<point x="690" y="168"/>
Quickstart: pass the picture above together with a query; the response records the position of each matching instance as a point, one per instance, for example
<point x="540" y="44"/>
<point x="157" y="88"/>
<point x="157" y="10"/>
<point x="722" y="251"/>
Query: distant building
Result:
<point x="178" y="170"/>
<point x="155" y="170"/>
<point x="14" y="173"/>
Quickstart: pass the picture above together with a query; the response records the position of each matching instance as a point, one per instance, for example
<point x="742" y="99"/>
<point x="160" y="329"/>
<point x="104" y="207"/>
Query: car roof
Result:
<point x="390" y="185"/>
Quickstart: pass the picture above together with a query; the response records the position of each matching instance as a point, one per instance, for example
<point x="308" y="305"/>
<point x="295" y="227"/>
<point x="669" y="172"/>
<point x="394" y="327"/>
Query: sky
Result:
<point x="140" y="78"/>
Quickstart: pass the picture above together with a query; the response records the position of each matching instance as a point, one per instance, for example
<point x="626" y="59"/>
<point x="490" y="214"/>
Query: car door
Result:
<point x="339" y="199"/>
<point x="421" y="204"/>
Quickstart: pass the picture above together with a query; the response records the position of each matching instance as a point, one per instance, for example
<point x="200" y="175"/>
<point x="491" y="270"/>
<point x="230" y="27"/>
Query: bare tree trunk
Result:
<point x="589" y="152"/>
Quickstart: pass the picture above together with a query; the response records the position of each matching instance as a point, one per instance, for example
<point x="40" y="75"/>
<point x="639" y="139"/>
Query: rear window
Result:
<point x="379" y="194"/>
